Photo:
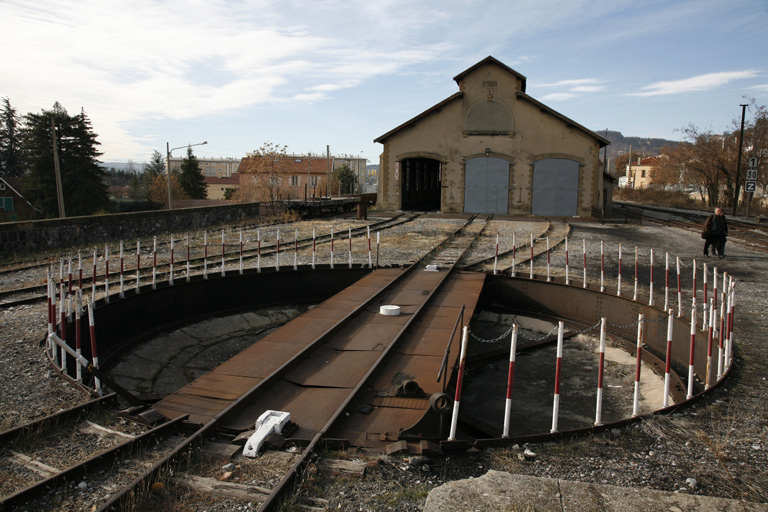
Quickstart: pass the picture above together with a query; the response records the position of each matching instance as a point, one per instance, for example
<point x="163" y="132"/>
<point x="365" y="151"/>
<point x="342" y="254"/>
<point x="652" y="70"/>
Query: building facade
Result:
<point x="491" y="148"/>
<point x="13" y="206"/>
<point x="639" y="173"/>
<point x="211" y="167"/>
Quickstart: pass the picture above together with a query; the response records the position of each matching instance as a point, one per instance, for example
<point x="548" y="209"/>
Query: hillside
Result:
<point x="646" y="146"/>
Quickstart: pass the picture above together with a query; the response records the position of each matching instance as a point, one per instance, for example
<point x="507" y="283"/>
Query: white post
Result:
<point x="457" y="401"/>
<point x="370" y="260"/>
<point x="634" y="295"/>
<point x="567" y="276"/>
<point x="154" y="263"/>
<point x="258" y="249"/>
<point x="277" y="254"/>
<point x="170" y="273"/>
<point x="666" y="281"/>
<point x="668" y="368"/>
<point x="314" y="248"/>
<point x="514" y="250"/>
<point x="223" y="250"/>
<point x="241" y="251"/>
<point x="205" y="254"/>
<point x="331" y="247"/>
<point x="650" y="299"/>
<point x="638" y="365"/>
<point x="600" y="375"/>
<point x="549" y="274"/>
<point x="618" y="285"/>
<point x="602" y="266"/>
<point x="691" y="354"/>
<point x="496" y="255"/>
<point x="122" y="287"/>
<point x="138" y="265"/>
<point x="349" y="237"/>
<point x="584" y="254"/>
<point x="679" y="291"/>
<point x="510" y="381"/>
<point x="558" y="369"/>
<point x="295" y="249"/>
<point x="531" y="262"/>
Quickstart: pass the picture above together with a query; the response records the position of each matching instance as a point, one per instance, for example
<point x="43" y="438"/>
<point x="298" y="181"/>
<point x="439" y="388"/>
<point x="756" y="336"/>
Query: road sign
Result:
<point x="750" y="186"/>
<point x="752" y="162"/>
<point x="751" y="174"/>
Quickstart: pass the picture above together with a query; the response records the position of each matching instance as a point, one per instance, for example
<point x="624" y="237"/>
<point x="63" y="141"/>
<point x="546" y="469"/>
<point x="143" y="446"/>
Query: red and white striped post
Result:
<point x="558" y="369"/>
<point x="731" y="308"/>
<point x="93" y="276"/>
<point x="205" y="255"/>
<point x="634" y="295"/>
<point x="714" y="285"/>
<point x="459" y="381"/>
<point x="106" y="273"/>
<point x="510" y="381"/>
<point x="170" y="272"/>
<point x="314" y="248"/>
<point x="650" y="293"/>
<point x="94" y="350"/>
<point x="377" y="247"/>
<point x="705" y="314"/>
<point x="80" y="270"/>
<point x="668" y="367"/>
<point x="258" y="250"/>
<point x="277" y="254"/>
<point x="618" y="284"/>
<point x="691" y="354"/>
<point x="154" y="262"/>
<point x="295" y="249"/>
<point x="370" y="257"/>
<point x="567" y="265"/>
<point x="50" y="294"/>
<point x="584" y="253"/>
<point x="638" y="365"/>
<point x="679" y="291"/>
<point x="720" y="339"/>
<point x="78" y="334"/>
<point x="496" y="255"/>
<point x="241" y="251"/>
<point x="549" y="274"/>
<point x="138" y="265"/>
<point x="63" y="325"/>
<point x="188" y="250"/>
<point x="514" y="254"/>
<point x="600" y="374"/>
<point x="223" y="256"/>
<point x="694" y="277"/>
<point x="331" y="247"/>
<point x="69" y="274"/>
<point x="530" y="273"/>
<point x="710" y="336"/>
<point x="704" y="285"/>
<point x="122" y="270"/>
<point x="602" y="266"/>
<point x="666" y="281"/>
<point x="349" y="237"/>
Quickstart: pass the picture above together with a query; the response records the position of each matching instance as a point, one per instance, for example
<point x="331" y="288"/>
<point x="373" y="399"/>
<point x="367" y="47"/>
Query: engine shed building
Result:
<point x="492" y="149"/>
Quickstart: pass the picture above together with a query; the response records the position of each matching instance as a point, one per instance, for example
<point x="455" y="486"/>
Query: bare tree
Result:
<point x="263" y="176"/>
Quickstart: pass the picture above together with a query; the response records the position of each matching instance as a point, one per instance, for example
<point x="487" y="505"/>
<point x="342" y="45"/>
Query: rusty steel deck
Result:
<point x="315" y="388"/>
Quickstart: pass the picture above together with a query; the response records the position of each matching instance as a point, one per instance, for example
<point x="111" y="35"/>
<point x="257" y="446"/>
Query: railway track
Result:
<point x="195" y="258"/>
<point x="747" y="234"/>
<point x="177" y="451"/>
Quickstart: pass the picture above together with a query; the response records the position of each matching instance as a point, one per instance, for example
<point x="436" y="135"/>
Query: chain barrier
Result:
<point x="520" y="335"/>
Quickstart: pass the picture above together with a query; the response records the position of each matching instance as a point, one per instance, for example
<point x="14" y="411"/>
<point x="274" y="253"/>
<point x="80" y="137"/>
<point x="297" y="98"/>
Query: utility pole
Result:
<point x="57" y="171"/>
<point x="328" y="170"/>
<point x="738" y="160"/>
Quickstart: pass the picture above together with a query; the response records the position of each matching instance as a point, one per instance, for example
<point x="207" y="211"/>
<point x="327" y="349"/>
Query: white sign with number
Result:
<point x="750" y="186"/>
<point x="752" y="162"/>
<point x="751" y="174"/>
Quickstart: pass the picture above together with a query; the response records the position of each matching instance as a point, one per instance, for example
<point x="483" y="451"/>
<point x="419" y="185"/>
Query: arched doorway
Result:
<point x="486" y="186"/>
<point x="421" y="184"/>
<point x="555" y="187"/>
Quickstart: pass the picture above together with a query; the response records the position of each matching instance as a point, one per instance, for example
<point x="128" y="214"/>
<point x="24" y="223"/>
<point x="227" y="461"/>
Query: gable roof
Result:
<point x="490" y="60"/>
<point x="568" y="121"/>
<point x="432" y="110"/>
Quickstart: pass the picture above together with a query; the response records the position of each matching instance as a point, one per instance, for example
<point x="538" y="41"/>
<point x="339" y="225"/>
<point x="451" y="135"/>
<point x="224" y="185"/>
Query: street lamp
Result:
<point x="168" y="150"/>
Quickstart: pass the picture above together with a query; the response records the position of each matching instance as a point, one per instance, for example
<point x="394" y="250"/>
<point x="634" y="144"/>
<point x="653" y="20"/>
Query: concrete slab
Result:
<point x="499" y="491"/>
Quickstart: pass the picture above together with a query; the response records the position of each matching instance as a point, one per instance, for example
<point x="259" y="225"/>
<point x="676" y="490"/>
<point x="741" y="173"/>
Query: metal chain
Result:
<point x="550" y="333"/>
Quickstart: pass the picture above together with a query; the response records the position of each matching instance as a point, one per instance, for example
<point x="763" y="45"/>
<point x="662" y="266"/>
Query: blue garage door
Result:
<point x="486" y="186"/>
<point x="555" y="187"/>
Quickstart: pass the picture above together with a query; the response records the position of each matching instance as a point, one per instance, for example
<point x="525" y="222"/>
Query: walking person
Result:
<point x="715" y="233"/>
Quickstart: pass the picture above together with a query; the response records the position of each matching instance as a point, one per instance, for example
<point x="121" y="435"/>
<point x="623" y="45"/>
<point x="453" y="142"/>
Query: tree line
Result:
<point x="34" y="146"/>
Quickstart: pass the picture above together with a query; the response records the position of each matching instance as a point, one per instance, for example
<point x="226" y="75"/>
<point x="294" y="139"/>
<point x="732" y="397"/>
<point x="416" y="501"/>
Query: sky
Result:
<point x="312" y="74"/>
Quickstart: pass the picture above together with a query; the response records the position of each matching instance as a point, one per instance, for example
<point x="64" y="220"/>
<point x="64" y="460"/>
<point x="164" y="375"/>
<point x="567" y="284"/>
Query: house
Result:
<point x="491" y="148"/>
<point x="13" y="206"/>
<point x="217" y="187"/>
<point x="211" y="167"/>
<point x="639" y="173"/>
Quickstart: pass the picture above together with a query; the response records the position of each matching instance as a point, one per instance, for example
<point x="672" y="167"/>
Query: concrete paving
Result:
<point x="505" y="492"/>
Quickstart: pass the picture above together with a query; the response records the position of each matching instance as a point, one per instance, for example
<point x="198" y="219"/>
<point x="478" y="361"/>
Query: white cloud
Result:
<point x="559" y="96"/>
<point x="761" y="87"/>
<point x="578" y="82"/>
<point x="695" y="83"/>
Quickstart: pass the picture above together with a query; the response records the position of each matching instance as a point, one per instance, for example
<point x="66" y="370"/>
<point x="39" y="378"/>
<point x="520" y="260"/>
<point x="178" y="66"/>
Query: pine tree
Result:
<point x="83" y="180"/>
<point x="152" y="170"/>
<point x="10" y="141"/>
<point x="191" y="178"/>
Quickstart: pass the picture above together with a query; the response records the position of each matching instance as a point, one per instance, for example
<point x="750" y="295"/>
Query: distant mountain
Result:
<point x="123" y="166"/>
<point x="640" y="145"/>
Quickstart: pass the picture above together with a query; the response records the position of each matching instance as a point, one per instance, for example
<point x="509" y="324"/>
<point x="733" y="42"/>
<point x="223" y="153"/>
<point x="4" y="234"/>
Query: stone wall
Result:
<point x="51" y="233"/>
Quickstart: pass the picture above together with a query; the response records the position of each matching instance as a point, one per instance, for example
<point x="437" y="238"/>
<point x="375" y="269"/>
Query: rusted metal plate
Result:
<point x="304" y="329"/>
<point x="422" y="369"/>
<point x="310" y="408"/>
<point x="200" y="409"/>
<point x="259" y="363"/>
<point x="366" y="336"/>
<point x="377" y="428"/>
<point x="331" y="368"/>
<point x="425" y="340"/>
<point x="221" y="386"/>
<point x="398" y="402"/>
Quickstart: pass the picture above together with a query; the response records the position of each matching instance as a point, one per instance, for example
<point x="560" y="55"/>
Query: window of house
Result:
<point x="2" y="186"/>
<point x="643" y="174"/>
<point x="313" y="181"/>
<point x="294" y="181"/>
<point x="7" y="203"/>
